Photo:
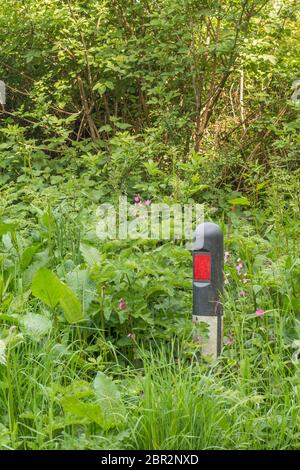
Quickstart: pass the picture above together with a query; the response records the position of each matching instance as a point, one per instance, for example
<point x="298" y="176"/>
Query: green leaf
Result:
<point x="269" y="58"/>
<point x="46" y="287"/>
<point x="109" y="399"/>
<point x="4" y="436"/>
<point x="122" y="125"/>
<point x="5" y="228"/>
<point x="240" y="201"/>
<point x="88" y="412"/>
<point x="262" y="185"/>
<point x="90" y="254"/>
<point x="40" y="260"/>
<point x="70" y="304"/>
<point x="100" y="87"/>
<point x="105" y="128"/>
<point x="27" y="255"/>
<point x="80" y="283"/>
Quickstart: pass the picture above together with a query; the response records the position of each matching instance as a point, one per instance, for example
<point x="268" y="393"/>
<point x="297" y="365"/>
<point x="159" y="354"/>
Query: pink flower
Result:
<point x="122" y="304"/>
<point x="147" y="202"/>
<point x="239" y="266"/>
<point x="229" y="341"/>
<point x="226" y="256"/>
<point x="242" y="293"/>
<point x="131" y="336"/>
<point x="137" y="199"/>
<point x="260" y="312"/>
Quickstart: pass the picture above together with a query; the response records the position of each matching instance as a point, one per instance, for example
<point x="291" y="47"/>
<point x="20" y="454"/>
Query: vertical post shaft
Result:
<point x="208" y="282"/>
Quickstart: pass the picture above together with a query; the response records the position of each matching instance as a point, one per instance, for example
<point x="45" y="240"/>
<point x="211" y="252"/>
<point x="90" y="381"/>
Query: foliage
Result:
<point x="174" y="101"/>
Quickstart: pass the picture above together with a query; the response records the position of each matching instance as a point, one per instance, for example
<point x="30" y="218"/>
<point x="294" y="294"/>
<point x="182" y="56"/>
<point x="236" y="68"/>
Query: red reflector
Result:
<point x="202" y="267"/>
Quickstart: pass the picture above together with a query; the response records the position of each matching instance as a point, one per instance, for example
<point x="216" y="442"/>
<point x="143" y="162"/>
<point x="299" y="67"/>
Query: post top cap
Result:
<point x="204" y="233"/>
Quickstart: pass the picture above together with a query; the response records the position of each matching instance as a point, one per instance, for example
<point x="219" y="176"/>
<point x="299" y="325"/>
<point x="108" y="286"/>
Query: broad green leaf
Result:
<point x="27" y="255"/>
<point x="5" y="228"/>
<point x="240" y="201"/>
<point x="109" y="398"/>
<point x="47" y="287"/>
<point x="89" y="412"/>
<point x="122" y="125"/>
<point x="40" y="260"/>
<point x="70" y="304"/>
<point x="85" y="289"/>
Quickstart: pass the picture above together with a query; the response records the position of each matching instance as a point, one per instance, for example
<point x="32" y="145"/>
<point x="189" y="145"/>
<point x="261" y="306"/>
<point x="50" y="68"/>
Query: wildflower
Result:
<point x="229" y="341"/>
<point x="242" y="293"/>
<point x="147" y="202"/>
<point x="137" y="199"/>
<point x="122" y="304"/>
<point x="226" y="278"/>
<point x="226" y="256"/>
<point x="260" y="312"/>
<point x="239" y="266"/>
<point x="198" y="339"/>
<point x="131" y="336"/>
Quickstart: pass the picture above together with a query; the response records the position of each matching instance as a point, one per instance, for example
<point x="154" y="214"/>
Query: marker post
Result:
<point x="2" y="93"/>
<point x="208" y="282"/>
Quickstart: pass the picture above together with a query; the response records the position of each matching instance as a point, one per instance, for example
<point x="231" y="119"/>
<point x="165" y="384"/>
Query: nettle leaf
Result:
<point x="105" y="128"/>
<point x="100" y="87"/>
<point x="240" y="201"/>
<point x="122" y="125"/>
<point x="90" y="254"/>
<point x="47" y="287"/>
<point x="158" y="290"/>
<point x="5" y="228"/>
<point x="36" y="325"/>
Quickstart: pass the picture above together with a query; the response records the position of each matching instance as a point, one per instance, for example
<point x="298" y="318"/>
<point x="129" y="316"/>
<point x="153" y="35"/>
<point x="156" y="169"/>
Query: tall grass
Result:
<point x="231" y="405"/>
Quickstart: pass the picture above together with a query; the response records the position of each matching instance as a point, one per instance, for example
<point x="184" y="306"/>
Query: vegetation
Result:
<point x="160" y="101"/>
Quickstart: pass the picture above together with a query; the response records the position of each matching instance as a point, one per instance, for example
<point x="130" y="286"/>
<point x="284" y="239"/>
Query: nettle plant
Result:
<point x="131" y="291"/>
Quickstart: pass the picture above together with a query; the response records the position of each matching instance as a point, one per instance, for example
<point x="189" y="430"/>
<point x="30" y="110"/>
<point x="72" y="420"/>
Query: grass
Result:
<point x="159" y="392"/>
<point x="170" y="404"/>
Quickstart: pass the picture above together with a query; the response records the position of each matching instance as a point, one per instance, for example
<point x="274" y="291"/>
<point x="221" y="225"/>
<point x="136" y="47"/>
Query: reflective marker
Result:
<point x="208" y="265"/>
<point x="201" y="267"/>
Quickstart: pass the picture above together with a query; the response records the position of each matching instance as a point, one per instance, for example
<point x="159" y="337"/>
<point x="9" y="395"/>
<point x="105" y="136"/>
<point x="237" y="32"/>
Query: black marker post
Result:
<point x="208" y="282"/>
